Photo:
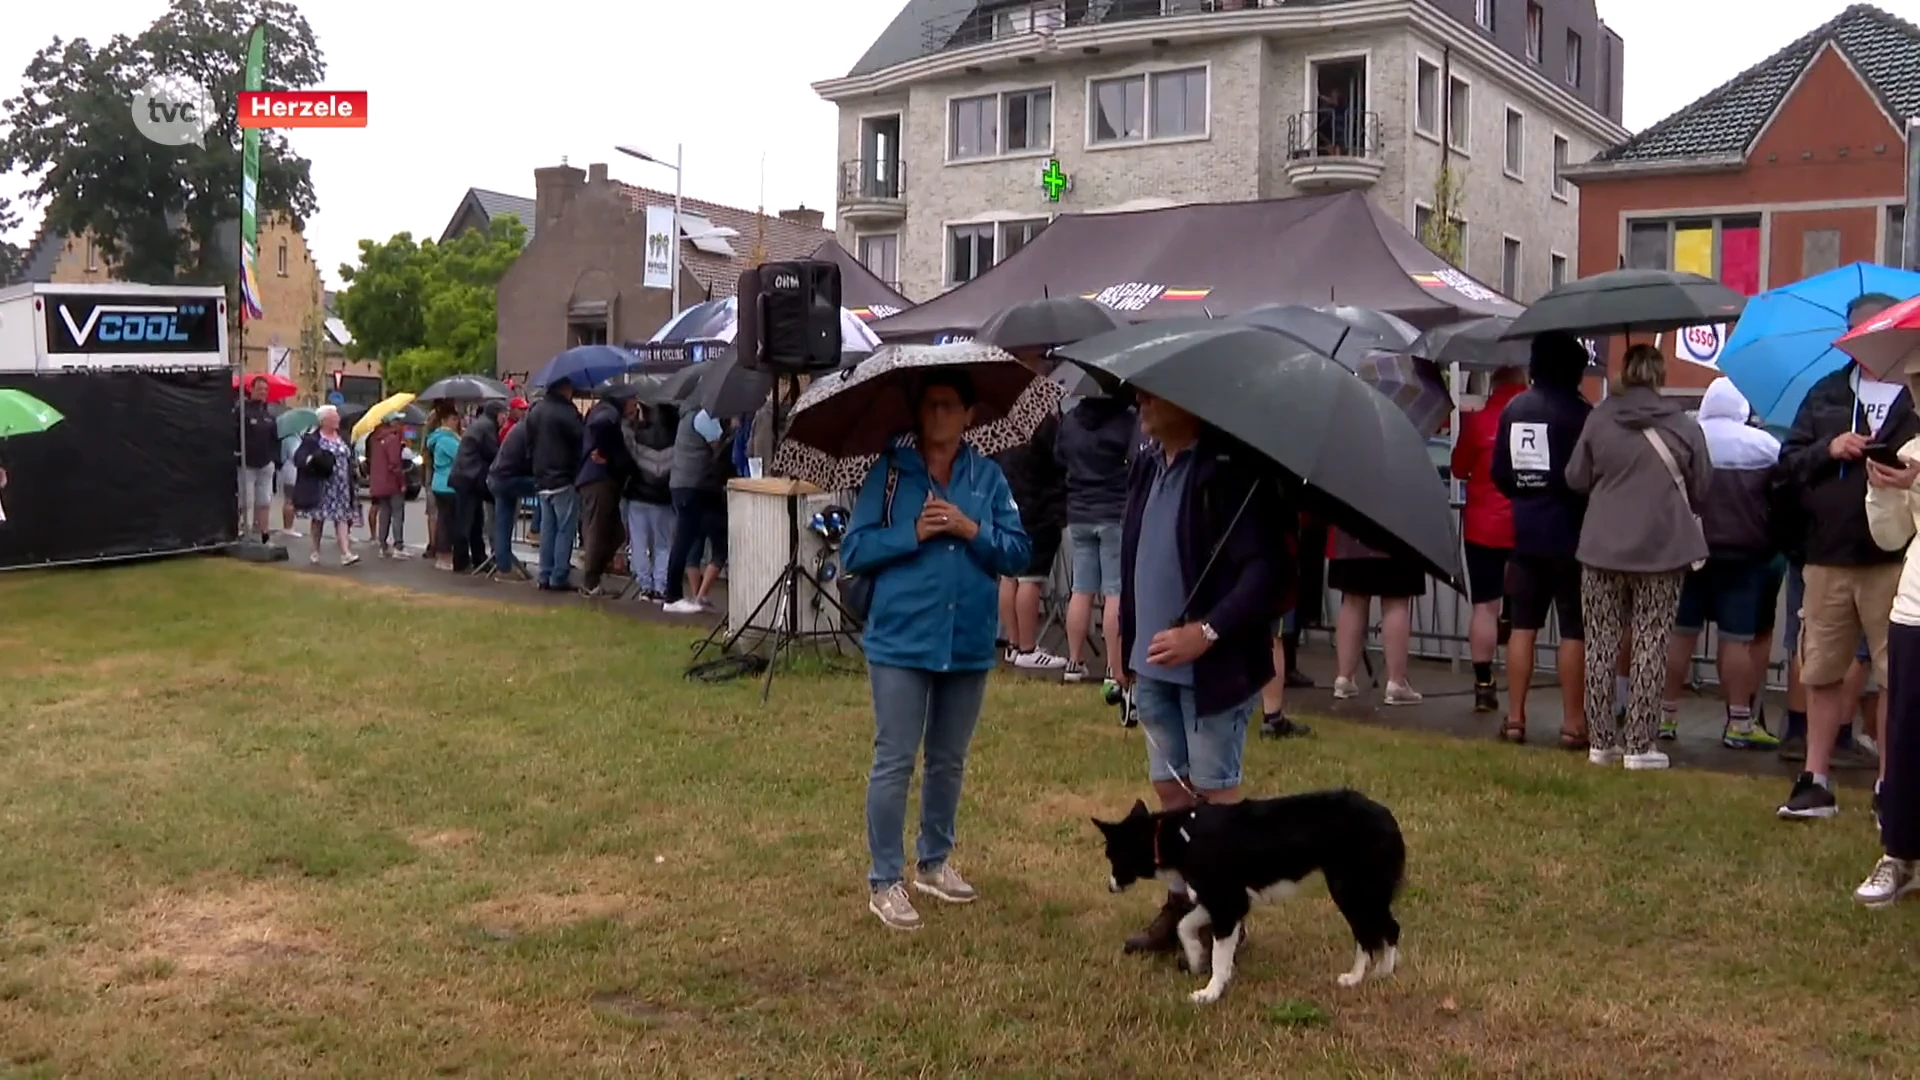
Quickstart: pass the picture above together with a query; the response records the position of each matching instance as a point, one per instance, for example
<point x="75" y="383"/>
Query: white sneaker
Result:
<point x="1399" y="693"/>
<point x="893" y="908"/>
<point x="945" y="883"/>
<point x="1039" y="660"/>
<point x="1606" y="757"/>
<point x="1344" y="688"/>
<point x="684" y="607"/>
<point x="1652" y="759"/>
<point x="1891" y="879"/>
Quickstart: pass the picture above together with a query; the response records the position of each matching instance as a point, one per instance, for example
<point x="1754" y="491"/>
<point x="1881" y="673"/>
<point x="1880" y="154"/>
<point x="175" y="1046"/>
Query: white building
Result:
<point x="949" y="121"/>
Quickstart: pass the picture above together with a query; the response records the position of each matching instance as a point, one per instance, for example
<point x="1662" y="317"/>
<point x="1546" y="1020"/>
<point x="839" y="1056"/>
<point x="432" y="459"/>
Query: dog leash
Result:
<point x="1177" y="778"/>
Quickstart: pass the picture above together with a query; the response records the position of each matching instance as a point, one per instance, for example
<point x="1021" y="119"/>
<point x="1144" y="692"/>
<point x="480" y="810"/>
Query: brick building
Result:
<point x="579" y="280"/>
<point x="948" y="119"/>
<point x="1794" y="167"/>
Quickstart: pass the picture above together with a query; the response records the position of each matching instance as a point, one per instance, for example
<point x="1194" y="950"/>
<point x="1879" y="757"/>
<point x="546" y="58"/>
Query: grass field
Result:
<point x="259" y="824"/>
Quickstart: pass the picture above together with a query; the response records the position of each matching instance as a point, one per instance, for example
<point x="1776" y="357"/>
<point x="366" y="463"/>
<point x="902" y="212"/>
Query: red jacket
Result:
<point x="386" y="468"/>
<point x="1488" y="518"/>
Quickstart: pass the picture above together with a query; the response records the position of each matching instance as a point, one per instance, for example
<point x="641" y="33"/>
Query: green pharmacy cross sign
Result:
<point x="1054" y="180"/>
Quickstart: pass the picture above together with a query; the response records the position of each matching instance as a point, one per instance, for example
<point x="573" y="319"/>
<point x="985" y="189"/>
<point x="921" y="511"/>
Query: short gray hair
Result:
<point x="325" y="411"/>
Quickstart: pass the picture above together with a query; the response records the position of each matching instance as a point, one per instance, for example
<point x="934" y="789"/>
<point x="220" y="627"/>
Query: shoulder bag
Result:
<point x="856" y="590"/>
<point x="1673" y="471"/>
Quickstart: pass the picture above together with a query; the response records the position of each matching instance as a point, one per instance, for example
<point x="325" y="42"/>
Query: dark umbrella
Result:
<point x="586" y="366"/>
<point x="1322" y="331"/>
<point x="675" y="388"/>
<point x="732" y="389"/>
<point x="1044" y="324"/>
<point x="1364" y="468"/>
<point x="1626" y="301"/>
<point x="411" y="416"/>
<point x="844" y="420"/>
<point x="1477" y="345"/>
<point x="466" y="388"/>
<point x="1396" y="331"/>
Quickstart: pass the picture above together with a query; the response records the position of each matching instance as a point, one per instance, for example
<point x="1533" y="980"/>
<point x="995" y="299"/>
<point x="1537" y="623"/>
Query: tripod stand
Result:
<point x="781" y="602"/>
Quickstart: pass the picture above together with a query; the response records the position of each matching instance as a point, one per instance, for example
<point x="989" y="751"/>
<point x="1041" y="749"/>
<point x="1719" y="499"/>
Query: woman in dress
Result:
<point x="324" y="491"/>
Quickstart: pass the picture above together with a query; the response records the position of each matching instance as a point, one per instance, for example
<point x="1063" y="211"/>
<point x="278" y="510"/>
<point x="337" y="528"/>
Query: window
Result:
<point x="1516" y="144"/>
<point x="973" y="128"/>
<point x="881" y="254"/>
<point x="1422" y="221"/>
<point x="1030" y="19"/>
<point x="1559" y="167"/>
<point x="1896" y="236"/>
<point x="1015" y="235"/>
<point x="1536" y="31"/>
<point x="1028" y="120"/>
<point x="969" y="252"/>
<point x="1163" y="105"/>
<point x="1483" y="14"/>
<point x="1509" y="267"/>
<point x="1556" y="271"/>
<point x="282" y="265"/>
<point x="1726" y="249"/>
<point x="1015" y="122"/>
<point x="93" y="256"/>
<point x="1574" y="67"/>
<point x="1426" y="98"/>
<point x="1459" y="114"/>
<point x="1460" y="229"/>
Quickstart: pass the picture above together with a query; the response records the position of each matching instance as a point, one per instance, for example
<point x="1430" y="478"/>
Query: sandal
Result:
<point x="1512" y="732"/>
<point x="1573" y="740"/>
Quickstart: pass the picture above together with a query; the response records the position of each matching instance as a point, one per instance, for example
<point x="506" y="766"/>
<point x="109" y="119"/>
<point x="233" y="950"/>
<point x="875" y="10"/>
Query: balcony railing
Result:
<point x="1327" y="133"/>
<point x="997" y="22"/>
<point x="863" y="180"/>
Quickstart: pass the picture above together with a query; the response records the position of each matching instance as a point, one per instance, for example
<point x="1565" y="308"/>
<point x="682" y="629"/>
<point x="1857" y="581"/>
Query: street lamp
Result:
<point x="673" y="253"/>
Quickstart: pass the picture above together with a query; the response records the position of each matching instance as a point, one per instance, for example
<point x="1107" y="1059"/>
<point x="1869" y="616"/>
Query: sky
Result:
<point x="474" y="96"/>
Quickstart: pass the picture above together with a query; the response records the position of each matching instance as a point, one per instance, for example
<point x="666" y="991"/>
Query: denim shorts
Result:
<point x="1096" y="558"/>
<point x="1203" y="749"/>
<point x="1727" y="592"/>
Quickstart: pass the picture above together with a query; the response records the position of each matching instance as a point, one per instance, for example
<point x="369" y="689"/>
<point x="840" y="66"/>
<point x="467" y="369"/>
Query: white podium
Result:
<point x="758" y="548"/>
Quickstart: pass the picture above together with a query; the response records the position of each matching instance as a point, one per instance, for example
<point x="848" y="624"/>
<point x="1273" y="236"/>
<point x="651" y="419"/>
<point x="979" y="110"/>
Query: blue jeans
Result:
<point x="914" y="708"/>
<point x="649" y="543"/>
<point x="1205" y="750"/>
<point x="506" y="511"/>
<point x="559" y="526"/>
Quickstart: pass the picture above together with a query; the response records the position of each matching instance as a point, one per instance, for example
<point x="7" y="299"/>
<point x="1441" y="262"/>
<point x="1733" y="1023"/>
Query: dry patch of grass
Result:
<point x="269" y="824"/>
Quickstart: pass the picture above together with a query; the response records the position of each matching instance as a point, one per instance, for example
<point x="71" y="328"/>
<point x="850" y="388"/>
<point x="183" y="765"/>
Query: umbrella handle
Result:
<point x="1186" y="606"/>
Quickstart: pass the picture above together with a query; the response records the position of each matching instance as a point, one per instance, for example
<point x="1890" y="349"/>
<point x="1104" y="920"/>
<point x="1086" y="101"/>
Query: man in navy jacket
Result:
<point x="1196" y="630"/>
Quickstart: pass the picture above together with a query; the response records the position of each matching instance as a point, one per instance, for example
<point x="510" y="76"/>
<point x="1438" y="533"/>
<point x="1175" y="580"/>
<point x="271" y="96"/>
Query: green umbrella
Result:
<point x="23" y="414"/>
<point x="296" y="422"/>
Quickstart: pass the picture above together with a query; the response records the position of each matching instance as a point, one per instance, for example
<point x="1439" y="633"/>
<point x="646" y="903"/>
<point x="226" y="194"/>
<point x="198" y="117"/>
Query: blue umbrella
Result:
<point x="1783" y="343"/>
<point x="586" y="366"/>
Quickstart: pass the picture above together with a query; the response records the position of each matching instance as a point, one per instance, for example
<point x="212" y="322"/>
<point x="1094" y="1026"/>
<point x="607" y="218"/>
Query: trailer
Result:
<point x="48" y="329"/>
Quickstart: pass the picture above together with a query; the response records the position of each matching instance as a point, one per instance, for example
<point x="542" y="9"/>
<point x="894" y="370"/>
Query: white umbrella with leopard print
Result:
<point x="845" y="420"/>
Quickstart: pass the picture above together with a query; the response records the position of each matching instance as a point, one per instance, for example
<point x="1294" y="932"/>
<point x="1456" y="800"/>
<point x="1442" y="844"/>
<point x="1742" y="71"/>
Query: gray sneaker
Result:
<point x="945" y="883"/>
<point x="893" y="907"/>
<point x="1891" y="879"/>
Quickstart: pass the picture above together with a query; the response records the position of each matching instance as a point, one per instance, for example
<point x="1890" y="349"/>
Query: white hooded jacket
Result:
<point x="1734" y="513"/>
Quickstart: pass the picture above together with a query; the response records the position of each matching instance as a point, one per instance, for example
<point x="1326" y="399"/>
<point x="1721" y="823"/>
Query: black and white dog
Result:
<point x="1232" y="855"/>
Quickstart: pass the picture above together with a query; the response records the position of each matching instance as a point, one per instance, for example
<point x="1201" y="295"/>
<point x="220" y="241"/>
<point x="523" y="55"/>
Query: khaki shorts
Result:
<point x="1841" y="604"/>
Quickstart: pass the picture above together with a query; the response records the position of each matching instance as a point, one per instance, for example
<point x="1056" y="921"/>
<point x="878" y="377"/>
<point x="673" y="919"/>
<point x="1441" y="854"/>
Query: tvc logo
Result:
<point x="173" y="110"/>
<point x="118" y="324"/>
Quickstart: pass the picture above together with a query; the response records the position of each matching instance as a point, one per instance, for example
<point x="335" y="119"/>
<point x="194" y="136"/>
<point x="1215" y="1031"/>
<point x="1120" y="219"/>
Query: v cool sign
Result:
<point x="133" y="330"/>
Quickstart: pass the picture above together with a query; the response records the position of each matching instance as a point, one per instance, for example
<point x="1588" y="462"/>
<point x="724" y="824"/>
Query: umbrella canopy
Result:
<point x="1624" y="301"/>
<point x="467" y="388"/>
<point x="378" y="414"/>
<point x="1884" y="344"/>
<point x="719" y="320"/>
<point x="675" y="388"/>
<point x="279" y="387"/>
<point x="1218" y="258"/>
<point x="1417" y="386"/>
<point x="843" y="421"/>
<point x="586" y="366"/>
<point x="1476" y="344"/>
<point x="1320" y="330"/>
<point x="295" y="422"/>
<point x="1044" y="324"/>
<point x="1784" y="341"/>
<point x="1390" y="328"/>
<point x="860" y="288"/>
<point x="1363" y="466"/>
<point x="23" y="414"/>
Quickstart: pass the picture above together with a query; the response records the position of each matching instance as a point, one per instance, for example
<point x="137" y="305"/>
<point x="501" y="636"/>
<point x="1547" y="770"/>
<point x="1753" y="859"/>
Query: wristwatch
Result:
<point x="1207" y="631"/>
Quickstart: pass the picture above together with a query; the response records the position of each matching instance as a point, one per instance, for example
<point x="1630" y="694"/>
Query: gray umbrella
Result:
<point x="466" y="388"/>
<point x="1477" y="345"/>
<point x="1396" y="331"/>
<point x="676" y="387"/>
<point x="1630" y="301"/>
<point x="1047" y="323"/>
<point x="1362" y="466"/>
<point x="1322" y="331"/>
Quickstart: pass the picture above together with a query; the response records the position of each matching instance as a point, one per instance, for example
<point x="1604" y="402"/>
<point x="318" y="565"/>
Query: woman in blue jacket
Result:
<point x="935" y="528"/>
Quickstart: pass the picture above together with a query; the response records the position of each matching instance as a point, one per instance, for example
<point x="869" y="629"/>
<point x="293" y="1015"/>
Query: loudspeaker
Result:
<point x="789" y="317"/>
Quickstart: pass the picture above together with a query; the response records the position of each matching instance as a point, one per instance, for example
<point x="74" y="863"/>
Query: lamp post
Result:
<point x="673" y="252"/>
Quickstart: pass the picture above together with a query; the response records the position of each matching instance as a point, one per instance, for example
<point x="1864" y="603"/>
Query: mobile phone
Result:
<point x="1885" y="454"/>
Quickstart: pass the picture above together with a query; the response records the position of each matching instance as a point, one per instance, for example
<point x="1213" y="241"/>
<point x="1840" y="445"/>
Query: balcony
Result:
<point x="998" y="22"/>
<point x="1333" y="150"/>
<point x="872" y="193"/>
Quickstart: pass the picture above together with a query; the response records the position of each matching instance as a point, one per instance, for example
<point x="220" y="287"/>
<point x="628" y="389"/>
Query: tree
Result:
<point x="155" y="211"/>
<point x="427" y="310"/>
<point x="1442" y="234"/>
<point x="13" y="258"/>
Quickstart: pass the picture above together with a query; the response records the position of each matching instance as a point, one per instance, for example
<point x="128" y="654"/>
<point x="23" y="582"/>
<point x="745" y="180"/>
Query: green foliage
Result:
<point x="1442" y="234"/>
<point x="427" y="310"/>
<point x="154" y="210"/>
<point x="13" y="257"/>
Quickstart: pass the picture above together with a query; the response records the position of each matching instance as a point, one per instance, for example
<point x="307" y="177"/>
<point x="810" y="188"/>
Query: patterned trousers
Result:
<point x="1615" y="605"/>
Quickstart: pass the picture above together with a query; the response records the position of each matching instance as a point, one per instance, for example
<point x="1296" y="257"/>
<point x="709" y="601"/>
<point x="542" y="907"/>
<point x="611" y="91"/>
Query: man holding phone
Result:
<point x="1850" y="582"/>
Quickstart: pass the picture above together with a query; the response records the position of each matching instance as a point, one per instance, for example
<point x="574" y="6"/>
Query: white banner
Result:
<point x="279" y="361"/>
<point x="660" y="239"/>
<point x="1701" y="344"/>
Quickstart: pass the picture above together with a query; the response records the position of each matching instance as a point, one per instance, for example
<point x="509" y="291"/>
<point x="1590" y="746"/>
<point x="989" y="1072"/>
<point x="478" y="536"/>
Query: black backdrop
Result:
<point x="143" y="464"/>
